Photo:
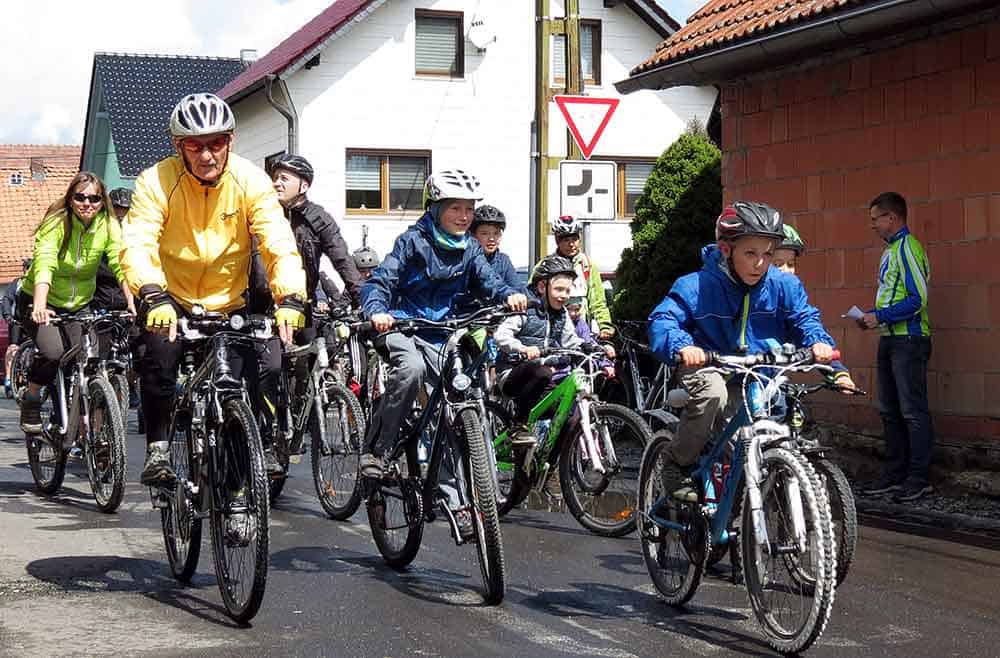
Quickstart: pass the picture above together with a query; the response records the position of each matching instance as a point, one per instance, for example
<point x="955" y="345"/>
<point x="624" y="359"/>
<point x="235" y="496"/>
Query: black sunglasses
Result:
<point x="93" y="198"/>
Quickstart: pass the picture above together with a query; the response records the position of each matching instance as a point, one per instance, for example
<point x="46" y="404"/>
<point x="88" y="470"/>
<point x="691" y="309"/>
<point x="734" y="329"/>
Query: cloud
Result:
<point x="48" y="47"/>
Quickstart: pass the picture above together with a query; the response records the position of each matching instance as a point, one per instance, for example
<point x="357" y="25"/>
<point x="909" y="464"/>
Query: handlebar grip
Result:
<point x="361" y="327"/>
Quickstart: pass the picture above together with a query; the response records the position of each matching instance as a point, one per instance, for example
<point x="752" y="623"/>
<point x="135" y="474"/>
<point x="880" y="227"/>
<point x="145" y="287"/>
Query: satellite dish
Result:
<point x="480" y="35"/>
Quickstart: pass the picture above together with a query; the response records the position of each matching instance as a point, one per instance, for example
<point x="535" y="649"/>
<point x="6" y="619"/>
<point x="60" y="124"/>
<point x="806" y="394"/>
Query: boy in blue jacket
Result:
<point x="733" y="305"/>
<point x="431" y="263"/>
<point x="487" y="227"/>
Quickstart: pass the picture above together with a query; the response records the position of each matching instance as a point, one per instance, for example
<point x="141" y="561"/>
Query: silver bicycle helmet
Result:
<point x="201" y="114"/>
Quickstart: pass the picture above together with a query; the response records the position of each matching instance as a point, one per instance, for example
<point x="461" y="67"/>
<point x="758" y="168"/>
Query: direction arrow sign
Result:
<point x="587" y="190"/>
<point x="586" y="117"/>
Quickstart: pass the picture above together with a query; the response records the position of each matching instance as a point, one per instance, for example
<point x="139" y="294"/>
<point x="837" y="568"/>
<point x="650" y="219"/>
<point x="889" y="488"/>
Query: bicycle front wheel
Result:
<point x="240" y="508"/>
<point x="675" y="559"/>
<point x="791" y="610"/>
<point x="482" y="489"/>
<point x="336" y="450"/>
<point x="605" y="502"/>
<point x="106" y="458"/>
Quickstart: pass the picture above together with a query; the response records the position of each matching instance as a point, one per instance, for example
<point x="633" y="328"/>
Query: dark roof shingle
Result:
<point x="141" y="90"/>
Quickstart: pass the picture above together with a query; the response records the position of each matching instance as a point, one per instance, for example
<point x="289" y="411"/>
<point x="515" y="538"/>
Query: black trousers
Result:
<point x="158" y="363"/>
<point x="526" y="384"/>
<point x="52" y="341"/>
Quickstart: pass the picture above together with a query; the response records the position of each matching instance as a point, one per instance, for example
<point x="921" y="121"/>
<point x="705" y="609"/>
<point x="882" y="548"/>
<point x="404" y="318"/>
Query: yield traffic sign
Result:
<point x="586" y="117"/>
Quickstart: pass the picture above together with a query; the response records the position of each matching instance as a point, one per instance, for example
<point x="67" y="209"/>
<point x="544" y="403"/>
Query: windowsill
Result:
<point x="439" y="77"/>
<point x="398" y="215"/>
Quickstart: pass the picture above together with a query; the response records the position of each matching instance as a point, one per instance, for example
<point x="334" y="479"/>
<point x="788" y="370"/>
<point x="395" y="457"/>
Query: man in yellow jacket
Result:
<point x="187" y="242"/>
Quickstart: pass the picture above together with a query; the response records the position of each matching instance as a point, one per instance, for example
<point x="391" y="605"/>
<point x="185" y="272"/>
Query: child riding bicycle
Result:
<point x="735" y="304"/>
<point x="546" y="324"/>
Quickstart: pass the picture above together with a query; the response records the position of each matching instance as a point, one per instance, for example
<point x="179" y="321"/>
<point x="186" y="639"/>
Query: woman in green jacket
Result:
<point x="69" y="243"/>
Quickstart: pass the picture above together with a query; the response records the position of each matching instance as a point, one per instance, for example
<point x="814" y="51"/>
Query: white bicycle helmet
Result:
<point x="452" y="184"/>
<point x="565" y="225"/>
<point x="201" y="114"/>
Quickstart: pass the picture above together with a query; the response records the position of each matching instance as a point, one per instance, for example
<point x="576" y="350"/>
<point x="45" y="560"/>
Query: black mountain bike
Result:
<point x="451" y="425"/>
<point x="216" y="454"/>
<point x="323" y="406"/>
<point x="79" y="407"/>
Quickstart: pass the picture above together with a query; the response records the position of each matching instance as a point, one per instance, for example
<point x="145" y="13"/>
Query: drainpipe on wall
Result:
<point x="286" y="111"/>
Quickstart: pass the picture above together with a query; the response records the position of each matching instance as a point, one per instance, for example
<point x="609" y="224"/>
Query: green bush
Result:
<point x="674" y="219"/>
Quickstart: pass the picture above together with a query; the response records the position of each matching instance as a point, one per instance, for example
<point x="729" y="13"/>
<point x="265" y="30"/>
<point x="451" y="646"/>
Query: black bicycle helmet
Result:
<point x="121" y="197"/>
<point x="550" y="266"/>
<point x="366" y="258"/>
<point x="295" y="164"/>
<point x="488" y="215"/>
<point x="749" y="218"/>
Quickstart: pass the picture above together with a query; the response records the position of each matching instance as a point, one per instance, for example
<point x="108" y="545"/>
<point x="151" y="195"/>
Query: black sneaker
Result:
<point x="157" y="468"/>
<point x="882" y="486"/>
<point x="31" y="414"/>
<point x="271" y="462"/>
<point x="371" y="466"/>
<point x="912" y="491"/>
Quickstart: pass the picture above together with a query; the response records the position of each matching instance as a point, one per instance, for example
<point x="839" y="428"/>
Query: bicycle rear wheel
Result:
<point x="843" y="513"/>
<point x="396" y="517"/>
<point x="337" y="449"/>
<point x="479" y="472"/>
<point x="105" y="447"/>
<point x="675" y="559"/>
<point x="605" y="503"/>
<point x="240" y="506"/>
<point x="179" y="520"/>
<point x="47" y="461"/>
<point x="20" y="367"/>
<point x="791" y="611"/>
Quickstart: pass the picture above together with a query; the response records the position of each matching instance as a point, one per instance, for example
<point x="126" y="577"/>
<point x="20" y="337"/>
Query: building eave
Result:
<point x="779" y="47"/>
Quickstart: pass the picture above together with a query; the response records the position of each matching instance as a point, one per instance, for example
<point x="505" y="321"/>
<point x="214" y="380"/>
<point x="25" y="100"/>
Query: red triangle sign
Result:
<point x="586" y="117"/>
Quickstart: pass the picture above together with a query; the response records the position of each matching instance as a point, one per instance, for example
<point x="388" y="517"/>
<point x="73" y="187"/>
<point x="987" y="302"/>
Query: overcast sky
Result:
<point x="47" y="48"/>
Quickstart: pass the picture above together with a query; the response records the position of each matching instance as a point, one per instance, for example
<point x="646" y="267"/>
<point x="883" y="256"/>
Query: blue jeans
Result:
<point x="902" y="396"/>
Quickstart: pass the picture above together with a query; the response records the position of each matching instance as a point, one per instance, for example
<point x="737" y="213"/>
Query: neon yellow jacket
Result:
<point x="193" y="240"/>
<point x="72" y="278"/>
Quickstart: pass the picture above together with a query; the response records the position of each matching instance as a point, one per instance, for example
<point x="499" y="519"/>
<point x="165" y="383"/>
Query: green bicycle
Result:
<point x="598" y="449"/>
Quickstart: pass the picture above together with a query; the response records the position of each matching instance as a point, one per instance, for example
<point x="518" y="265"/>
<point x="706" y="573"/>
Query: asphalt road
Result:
<point x="74" y="581"/>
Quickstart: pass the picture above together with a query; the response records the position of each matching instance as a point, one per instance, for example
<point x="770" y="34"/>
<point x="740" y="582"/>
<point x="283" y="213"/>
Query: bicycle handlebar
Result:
<point x="802" y="357"/>
<point x="484" y="316"/>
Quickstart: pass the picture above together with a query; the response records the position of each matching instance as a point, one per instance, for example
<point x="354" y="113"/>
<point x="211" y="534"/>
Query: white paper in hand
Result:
<point x="854" y="313"/>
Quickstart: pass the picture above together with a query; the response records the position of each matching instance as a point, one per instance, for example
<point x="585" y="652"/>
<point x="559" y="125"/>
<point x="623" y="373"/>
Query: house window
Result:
<point x="590" y="54"/>
<point x="632" y="177"/>
<point x="15" y="179"/>
<point x="632" y="174"/>
<point x="380" y="182"/>
<point x="440" y="49"/>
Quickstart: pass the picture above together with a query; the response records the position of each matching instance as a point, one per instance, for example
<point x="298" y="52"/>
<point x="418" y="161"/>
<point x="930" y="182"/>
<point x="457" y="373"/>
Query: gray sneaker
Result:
<point x="157" y="470"/>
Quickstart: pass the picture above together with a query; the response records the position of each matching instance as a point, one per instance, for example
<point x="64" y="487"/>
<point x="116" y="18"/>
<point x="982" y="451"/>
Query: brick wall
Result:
<point x="922" y="119"/>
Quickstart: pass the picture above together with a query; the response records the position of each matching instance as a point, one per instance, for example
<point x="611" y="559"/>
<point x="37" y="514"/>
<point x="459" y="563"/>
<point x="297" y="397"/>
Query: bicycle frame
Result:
<point x="744" y="466"/>
<point x="296" y="419"/>
<point x="73" y="401"/>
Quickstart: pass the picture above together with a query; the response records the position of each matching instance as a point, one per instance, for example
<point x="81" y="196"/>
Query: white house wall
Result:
<point x="364" y="94"/>
<point x="644" y="125"/>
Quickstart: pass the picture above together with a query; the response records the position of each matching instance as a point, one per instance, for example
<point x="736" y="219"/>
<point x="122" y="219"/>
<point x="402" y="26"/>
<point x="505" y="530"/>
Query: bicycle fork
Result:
<point x="593" y="451"/>
<point x="791" y="489"/>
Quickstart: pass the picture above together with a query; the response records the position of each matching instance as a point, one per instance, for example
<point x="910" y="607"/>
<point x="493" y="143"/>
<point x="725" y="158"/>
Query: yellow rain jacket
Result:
<point x="193" y="240"/>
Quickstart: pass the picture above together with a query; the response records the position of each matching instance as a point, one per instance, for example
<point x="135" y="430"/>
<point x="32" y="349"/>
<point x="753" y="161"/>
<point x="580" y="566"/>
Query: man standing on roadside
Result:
<point x="903" y="352"/>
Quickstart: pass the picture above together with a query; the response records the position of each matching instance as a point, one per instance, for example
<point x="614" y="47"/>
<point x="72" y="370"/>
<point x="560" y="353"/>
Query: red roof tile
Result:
<point x="297" y="45"/>
<point x="725" y="22"/>
<point x="22" y="206"/>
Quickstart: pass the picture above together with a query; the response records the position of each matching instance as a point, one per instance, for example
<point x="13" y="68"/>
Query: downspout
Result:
<point x="286" y="111"/>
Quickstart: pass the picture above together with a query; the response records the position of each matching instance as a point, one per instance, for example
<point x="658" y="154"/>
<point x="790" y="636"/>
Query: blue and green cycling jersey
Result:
<point x="903" y="275"/>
